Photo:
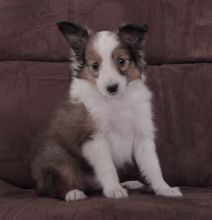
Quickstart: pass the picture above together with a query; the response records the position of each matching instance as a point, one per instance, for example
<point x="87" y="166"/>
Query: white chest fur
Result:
<point x="119" y="119"/>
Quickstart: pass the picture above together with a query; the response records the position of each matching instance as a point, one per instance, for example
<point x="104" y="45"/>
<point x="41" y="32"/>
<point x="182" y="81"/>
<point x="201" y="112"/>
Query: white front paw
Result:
<point x="169" y="192"/>
<point x="74" y="195"/>
<point x="116" y="192"/>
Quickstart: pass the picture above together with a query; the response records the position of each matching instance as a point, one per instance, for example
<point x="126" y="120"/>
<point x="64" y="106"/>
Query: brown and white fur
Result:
<point x="106" y="122"/>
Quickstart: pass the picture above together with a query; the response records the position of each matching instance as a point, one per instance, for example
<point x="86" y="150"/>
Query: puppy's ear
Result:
<point x="76" y="35"/>
<point x="132" y="34"/>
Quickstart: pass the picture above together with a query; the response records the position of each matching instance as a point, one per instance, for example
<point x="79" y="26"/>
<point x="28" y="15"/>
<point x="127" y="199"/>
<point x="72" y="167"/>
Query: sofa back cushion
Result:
<point x="183" y="113"/>
<point x="31" y="91"/>
<point x="180" y="31"/>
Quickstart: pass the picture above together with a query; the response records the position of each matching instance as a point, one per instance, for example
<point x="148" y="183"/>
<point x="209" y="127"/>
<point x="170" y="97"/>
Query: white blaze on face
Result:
<point x="104" y="44"/>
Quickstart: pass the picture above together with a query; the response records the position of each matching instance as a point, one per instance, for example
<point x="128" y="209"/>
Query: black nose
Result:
<point x="113" y="88"/>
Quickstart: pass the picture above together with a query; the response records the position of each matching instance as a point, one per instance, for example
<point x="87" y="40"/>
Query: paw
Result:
<point x="74" y="195"/>
<point x="116" y="193"/>
<point x="132" y="185"/>
<point x="169" y="192"/>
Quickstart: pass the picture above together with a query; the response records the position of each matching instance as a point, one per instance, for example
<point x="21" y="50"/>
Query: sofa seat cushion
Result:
<point x="20" y="204"/>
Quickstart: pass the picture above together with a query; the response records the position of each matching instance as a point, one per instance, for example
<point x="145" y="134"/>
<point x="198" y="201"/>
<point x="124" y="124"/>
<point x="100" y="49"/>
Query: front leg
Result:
<point x="98" y="155"/>
<point x="148" y="163"/>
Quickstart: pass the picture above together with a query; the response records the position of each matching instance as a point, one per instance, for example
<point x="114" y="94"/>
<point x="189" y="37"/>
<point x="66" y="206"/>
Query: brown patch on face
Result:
<point x="133" y="73"/>
<point x="91" y="57"/>
<point x="120" y="52"/>
<point x="87" y="75"/>
<point x="129" y="70"/>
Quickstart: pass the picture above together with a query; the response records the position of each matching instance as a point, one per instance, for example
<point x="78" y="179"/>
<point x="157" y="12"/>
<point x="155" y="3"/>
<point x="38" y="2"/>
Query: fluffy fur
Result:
<point x="106" y="123"/>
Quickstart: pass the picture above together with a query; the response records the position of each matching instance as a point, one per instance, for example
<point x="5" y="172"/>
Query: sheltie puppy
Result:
<point x="105" y="125"/>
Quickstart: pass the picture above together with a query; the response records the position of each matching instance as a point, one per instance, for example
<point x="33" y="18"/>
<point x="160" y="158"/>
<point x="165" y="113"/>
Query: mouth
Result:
<point x="111" y="94"/>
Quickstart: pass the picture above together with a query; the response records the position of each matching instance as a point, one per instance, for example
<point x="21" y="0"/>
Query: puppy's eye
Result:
<point x="123" y="63"/>
<point x="94" y="66"/>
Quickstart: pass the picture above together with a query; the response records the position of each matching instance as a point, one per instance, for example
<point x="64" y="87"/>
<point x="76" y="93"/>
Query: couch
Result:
<point x="34" y="78"/>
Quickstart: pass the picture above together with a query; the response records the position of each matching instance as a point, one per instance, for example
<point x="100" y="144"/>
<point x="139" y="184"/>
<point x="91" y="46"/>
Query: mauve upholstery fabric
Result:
<point x="30" y="91"/>
<point x="34" y="79"/>
<point x="180" y="31"/>
<point x="16" y="203"/>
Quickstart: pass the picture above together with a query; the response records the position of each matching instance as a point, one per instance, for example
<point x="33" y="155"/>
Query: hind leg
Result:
<point x="58" y="175"/>
<point x="133" y="185"/>
<point x="74" y="195"/>
<point x="68" y="188"/>
<point x="63" y="185"/>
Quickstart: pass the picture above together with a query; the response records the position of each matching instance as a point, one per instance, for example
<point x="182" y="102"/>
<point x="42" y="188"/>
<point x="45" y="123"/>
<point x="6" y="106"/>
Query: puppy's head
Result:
<point x="108" y="60"/>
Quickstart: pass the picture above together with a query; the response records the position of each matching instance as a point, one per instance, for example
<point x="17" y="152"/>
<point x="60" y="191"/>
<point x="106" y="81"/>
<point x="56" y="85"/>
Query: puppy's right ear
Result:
<point x="76" y="35"/>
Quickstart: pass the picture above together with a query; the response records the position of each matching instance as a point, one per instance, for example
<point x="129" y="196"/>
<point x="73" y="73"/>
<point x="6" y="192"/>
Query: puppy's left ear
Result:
<point x="133" y="34"/>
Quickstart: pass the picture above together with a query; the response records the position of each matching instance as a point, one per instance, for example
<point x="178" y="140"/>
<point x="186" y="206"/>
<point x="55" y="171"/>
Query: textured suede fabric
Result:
<point x="31" y="91"/>
<point x="34" y="79"/>
<point x="183" y="112"/>
<point x="16" y="203"/>
<point x="180" y="31"/>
